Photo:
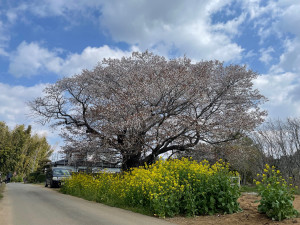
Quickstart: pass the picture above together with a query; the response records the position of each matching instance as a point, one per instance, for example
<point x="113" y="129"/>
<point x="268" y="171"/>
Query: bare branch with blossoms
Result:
<point x="140" y="107"/>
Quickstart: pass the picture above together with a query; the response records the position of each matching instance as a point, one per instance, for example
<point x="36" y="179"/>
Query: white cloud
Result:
<point x="289" y="18"/>
<point x="266" y="55"/>
<point x="163" y="26"/>
<point x="281" y="19"/>
<point x="13" y="99"/>
<point x="32" y="59"/>
<point x="89" y="58"/>
<point x="280" y="89"/>
<point x="289" y="60"/>
<point x="231" y="27"/>
<point x="4" y="38"/>
<point x="286" y="27"/>
<point x="45" y="8"/>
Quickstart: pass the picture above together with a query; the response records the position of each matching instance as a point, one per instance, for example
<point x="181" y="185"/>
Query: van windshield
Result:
<point x="61" y="172"/>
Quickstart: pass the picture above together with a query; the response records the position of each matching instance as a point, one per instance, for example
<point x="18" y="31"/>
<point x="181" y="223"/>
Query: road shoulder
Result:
<point x="5" y="210"/>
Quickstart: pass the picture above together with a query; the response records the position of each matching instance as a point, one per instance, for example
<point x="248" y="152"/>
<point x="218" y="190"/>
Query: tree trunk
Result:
<point x="130" y="161"/>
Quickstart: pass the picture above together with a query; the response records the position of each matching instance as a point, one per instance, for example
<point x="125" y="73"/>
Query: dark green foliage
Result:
<point x="17" y="179"/>
<point x="32" y="177"/>
<point x="41" y="178"/>
<point x="36" y="177"/>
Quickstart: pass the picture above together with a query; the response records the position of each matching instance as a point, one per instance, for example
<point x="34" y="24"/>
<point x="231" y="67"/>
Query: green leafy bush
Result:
<point x="41" y="178"/>
<point x="277" y="195"/>
<point x="17" y="179"/>
<point x="166" y="188"/>
<point x="32" y="177"/>
<point x="36" y="177"/>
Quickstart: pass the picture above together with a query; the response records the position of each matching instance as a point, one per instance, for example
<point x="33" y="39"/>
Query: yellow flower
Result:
<point x="267" y="166"/>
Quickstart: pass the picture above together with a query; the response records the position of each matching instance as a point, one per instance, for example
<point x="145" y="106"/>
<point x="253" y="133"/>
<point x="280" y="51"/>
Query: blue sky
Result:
<point x="43" y="40"/>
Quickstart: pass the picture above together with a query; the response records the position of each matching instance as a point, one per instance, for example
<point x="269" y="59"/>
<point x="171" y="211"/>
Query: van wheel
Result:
<point x="46" y="185"/>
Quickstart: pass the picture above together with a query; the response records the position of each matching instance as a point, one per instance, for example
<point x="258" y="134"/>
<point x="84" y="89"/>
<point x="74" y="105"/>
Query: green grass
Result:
<point x="297" y="192"/>
<point x="249" y="188"/>
<point x="2" y="186"/>
<point x="141" y="210"/>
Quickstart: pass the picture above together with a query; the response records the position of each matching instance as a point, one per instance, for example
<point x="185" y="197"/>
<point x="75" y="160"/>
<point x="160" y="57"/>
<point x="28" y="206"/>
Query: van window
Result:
<point x="61" y="172"/>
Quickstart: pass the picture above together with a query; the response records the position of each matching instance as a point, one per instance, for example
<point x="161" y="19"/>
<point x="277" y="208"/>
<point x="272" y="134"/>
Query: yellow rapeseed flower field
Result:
<point x="165" y="188"/>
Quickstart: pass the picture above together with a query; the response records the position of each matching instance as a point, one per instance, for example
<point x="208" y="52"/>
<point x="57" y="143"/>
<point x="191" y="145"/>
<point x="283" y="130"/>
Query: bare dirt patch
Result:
<point x="249" y="216"/>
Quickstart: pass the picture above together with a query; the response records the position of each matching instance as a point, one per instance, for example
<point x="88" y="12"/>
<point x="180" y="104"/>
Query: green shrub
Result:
<point x="36" y="177"/>
<point x="277" y="195"/>
<point x="17" y="178"/>
<point x="40" y="178"/>
<point x="32" y="177"/>
<point x="166" y="188"/>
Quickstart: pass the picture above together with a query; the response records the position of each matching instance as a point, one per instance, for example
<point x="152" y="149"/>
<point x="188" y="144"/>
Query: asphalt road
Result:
<point x="26" y="204"/>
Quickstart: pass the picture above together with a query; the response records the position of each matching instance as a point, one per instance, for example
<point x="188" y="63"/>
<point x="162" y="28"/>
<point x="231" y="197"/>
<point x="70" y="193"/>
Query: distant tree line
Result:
<point x="280" y="142"/>
<point x="21" y="152"/>
<point x="276" y="143"/>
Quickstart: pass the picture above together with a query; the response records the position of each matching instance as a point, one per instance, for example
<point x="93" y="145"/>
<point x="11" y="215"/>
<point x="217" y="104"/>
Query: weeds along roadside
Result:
<point x="2" y="187"/>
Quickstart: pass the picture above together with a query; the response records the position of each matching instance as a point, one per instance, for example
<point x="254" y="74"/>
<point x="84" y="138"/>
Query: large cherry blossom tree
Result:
<point x="134" y="109"/>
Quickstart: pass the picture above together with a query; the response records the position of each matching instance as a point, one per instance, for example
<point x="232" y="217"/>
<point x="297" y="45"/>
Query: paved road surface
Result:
<point x="26" y="204"/>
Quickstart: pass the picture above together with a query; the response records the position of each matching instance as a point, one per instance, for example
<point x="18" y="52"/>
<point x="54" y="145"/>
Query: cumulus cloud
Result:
<point x="288" y="23"/>
<point x="289" y="60"/>
<point x="165" y="26"/>
<point x="32" y="59"/>
<point x="289" y="17"/>
<point x="13" y="99"/>
<point x="162" y="27"/>
<point x="281" y="91"/>
<point x="266" y="56"/>
<point x="177" y="27"/>
<point x="284" y="23"/>
<point x="89" y="58"/>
